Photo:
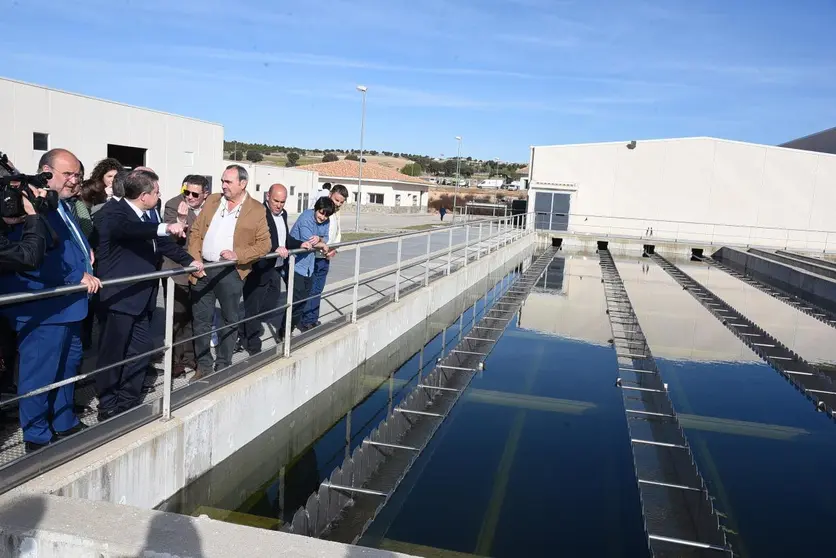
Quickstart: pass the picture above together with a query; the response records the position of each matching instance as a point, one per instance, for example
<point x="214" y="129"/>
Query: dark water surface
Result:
<point x="535" y="459"/>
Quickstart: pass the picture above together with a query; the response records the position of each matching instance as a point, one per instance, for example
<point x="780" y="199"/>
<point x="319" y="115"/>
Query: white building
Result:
<point x="691" y="189"/>
<point x="300" y="183"/>
<point x="36" y="119"/>
<point x="382" y="187"/>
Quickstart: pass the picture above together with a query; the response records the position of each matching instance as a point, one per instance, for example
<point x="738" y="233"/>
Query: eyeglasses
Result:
<point x="192" y="194"/>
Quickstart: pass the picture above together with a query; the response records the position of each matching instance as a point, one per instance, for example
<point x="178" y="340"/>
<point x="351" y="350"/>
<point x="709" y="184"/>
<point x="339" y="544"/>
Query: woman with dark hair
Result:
<point x="101" y="179"/>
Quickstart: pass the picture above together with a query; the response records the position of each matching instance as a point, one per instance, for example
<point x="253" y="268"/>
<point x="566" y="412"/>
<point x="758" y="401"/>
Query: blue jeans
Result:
<point x="320" y="273"/>
<point x="48" y="353"/>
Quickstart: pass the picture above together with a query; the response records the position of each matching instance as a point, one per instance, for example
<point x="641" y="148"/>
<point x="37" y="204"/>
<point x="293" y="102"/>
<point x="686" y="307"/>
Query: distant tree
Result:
<point x="352" y="157"/>
<point x="450" y="167"/>
<point x="329" y="158"/>
<point x="398" y="155"/>
<point x="254" y="156"/>
<point x="435" y="167"/>
<point x="236" y="156"/>
<point x="372" y="152"/>
<point x="466" y="170"/>
<point x="292" y="159"/>
<point x="412" y="169"/>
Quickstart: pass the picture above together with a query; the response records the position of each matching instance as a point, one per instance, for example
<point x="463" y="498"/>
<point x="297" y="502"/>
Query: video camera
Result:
<point x="14" y="185"/>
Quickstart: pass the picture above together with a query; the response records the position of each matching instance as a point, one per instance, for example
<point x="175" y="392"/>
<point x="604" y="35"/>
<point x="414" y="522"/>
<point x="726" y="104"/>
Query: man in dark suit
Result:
<point x="184" y="209"/>
<point x="133" y="244"/>
<point x="49" y="329"/>
<point x="263" y="286"/>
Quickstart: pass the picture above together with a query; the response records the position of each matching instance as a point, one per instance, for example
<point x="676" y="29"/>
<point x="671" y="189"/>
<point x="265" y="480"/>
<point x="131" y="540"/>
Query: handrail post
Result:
<point x="398" y="271"/>
<point x="490" y="235"/>
<point x="168" y="358"/>
<point x="466" y="243"/>
<point x="427" y="263"/>
<point x="479" y="245"/>
<point x="449" y="250"/>
<point x="288" y="313"/>
<point x="356" y="292"/>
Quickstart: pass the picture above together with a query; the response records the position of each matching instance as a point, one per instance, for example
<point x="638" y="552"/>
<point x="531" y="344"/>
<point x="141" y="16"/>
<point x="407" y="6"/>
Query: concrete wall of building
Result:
<point x="176" y="145"/>
<point x="149" y="465"/>
<point x="405" y="197"/>
<point x="695" y="189"/>
<point x="298" y="182"/>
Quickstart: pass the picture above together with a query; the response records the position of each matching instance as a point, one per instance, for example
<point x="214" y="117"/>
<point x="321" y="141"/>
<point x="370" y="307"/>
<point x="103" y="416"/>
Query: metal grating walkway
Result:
<point x="822" y="314"/>
<point x="349" y="500"/>
<point x="818" y="386"/>
<point x="679" y="514"/>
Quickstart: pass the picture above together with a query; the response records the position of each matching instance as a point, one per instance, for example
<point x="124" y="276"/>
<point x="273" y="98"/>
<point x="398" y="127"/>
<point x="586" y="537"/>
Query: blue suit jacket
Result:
<point x="126" y="247"/>
<point x="64" y="264"/>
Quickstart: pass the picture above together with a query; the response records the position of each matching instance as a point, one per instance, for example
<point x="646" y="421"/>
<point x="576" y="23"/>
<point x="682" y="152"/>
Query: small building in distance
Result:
<point x="36" y="119"/>
<point x="383" y="188"/>
<point x="300" y="183"/>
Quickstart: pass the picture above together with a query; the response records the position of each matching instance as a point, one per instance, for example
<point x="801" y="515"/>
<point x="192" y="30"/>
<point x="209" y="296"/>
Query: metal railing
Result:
<point x="480" y="238"/>
<point x="668" y="230"/>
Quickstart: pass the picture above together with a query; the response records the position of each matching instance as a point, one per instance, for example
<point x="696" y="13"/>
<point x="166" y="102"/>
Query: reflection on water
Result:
<point x="535" y="459"/>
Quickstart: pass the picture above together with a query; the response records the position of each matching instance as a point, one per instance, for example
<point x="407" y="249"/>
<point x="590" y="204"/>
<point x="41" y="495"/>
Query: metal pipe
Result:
<point x="427" y="268"/>
<point x="356" y="292"/>
<point x="362" y="89"/>
<point x="288" y="316"/>
<point x="398" y="271"/>
<point x="168" y="358"/>
<point x="449" y="251"/>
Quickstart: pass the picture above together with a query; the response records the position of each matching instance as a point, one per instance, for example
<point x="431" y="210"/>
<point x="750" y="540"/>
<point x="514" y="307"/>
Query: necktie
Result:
<point x="64" y="212"/>
<point x="152" y="216"/>
<point x="146" y="218"/>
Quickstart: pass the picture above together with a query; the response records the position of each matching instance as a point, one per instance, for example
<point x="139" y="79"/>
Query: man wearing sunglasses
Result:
<point x="184" y="209"/>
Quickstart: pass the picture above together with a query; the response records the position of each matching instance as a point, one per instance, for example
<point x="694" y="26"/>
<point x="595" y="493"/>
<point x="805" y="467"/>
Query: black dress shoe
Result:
<point x="104" y="415"/>
<point x="74" y="430"/>
<point x="35" y="446"/>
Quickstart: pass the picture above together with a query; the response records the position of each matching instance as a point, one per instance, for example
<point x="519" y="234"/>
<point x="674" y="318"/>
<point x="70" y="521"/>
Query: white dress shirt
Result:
<point x="162" y="228"/>
<point x="282" y="232"/>
<point x="221" y="231"/>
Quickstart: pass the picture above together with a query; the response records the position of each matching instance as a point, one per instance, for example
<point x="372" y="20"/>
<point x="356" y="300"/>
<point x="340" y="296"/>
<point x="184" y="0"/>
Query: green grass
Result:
<point x="420" y="227"/>
<point x="348" y="237"/>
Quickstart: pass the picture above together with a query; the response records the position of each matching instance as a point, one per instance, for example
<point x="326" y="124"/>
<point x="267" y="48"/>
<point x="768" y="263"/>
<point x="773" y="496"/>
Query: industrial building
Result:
<point x="383" y="188"/>
<point x="36" y="119"/>
<point x="300" y="183"/>
<point x="690" y="189"/>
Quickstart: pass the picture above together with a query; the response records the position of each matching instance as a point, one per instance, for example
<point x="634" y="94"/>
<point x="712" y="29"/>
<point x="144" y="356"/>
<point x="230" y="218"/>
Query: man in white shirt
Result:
<point x="310" y="317"/>
<point x="263" y="286"/>
<point x="231" y="227"/>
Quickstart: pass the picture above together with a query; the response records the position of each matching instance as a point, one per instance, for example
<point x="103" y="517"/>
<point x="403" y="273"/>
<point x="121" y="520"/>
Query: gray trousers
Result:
<point x="226" y="286"/>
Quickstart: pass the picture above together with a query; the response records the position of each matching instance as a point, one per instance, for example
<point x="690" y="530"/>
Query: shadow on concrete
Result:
<point x="19" y="518"/>
<point x="173" y="536"/>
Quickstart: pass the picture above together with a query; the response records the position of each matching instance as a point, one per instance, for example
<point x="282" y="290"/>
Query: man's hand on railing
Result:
<point x="331" y="253"/>
<point x="229" y="255"/>
<point x="93" y="284"/>
<point x="199" y="266"/>
<point x="312" y="241"/>
<point x="176" y="229"/>
<point x="282" y="251"/>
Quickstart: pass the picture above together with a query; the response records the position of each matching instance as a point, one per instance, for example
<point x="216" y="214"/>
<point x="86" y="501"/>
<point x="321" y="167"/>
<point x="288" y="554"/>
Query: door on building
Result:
<point x="302" y="202"/>
<point x="130" y="157"/>
<point x="552" y="211"/>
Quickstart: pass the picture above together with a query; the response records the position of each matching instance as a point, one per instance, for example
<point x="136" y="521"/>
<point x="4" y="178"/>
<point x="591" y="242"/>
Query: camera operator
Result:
<point x="28" y="253"/>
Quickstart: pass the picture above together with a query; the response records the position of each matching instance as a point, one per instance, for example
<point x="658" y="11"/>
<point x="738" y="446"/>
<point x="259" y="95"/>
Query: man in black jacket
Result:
<point x="27" y="253"/>
<point x="263" y="284"/>
<point x="131" y="243"/>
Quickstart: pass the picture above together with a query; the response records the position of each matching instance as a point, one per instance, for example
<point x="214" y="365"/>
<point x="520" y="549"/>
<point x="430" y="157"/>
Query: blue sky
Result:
<point x="504" y="74"/>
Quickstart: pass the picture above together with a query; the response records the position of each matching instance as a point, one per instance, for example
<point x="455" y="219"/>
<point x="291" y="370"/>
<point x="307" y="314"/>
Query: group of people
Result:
<point x="110" y="227"/>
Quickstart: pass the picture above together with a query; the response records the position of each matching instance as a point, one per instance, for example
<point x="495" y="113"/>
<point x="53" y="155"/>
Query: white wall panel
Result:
<point x="86" y="126"/>
<point x="697" y="189"/>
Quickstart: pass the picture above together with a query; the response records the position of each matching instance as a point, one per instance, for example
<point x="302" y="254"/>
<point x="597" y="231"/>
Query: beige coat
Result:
<point x="251" y="240"/>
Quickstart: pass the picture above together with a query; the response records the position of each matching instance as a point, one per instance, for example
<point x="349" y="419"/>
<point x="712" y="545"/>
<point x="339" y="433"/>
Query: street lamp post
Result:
<point x="456" y="189"/>
<point x="362" y="89"/>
